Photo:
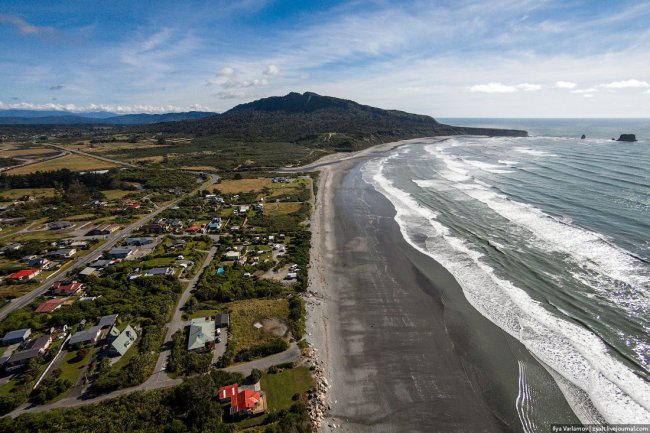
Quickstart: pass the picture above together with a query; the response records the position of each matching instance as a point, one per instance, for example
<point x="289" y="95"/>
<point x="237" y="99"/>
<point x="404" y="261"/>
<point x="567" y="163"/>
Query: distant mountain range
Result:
<point x="52" y="117"/>
<point x="320" y="121"/>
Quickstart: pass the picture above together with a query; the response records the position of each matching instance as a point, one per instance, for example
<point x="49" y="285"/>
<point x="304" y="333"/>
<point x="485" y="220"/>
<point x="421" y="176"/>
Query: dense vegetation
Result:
<point x="231" y="286"/>
<point x="185" y="362"/>
<point x="316" y="121"/>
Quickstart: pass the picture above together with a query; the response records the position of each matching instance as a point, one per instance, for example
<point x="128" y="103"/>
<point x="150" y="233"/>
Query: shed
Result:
<point x="16" y="336"/>
<point x="222" y="320"/>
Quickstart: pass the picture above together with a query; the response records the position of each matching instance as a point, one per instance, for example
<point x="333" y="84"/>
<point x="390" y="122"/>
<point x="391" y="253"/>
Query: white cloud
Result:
<point x="527" y="87"/>
<point x="120" y="109"/>
<point x="585" y="91"/>
<point x="565" y="85"/>
<point x="226" y="71"/>
<point x="492" y="88"/>
<point x="627" y="84"/>
<point x="272" y="70"/>
<point x="647" y="92"/>
<point x="24" y="27"/>
<point x="234" y="94"/>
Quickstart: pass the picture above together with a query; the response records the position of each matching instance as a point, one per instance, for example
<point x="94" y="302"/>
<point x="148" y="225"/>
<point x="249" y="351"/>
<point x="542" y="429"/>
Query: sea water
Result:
<point x="549" y="237"/>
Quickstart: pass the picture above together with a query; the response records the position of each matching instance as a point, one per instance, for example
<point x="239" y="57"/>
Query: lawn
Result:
<point x="72" y="162"/>
<point x="243" y="314"/>
<point x="244" y="185"/>
<point x="71" y="367"/>
<point x="36" y="151"/>
<point x="115" y="194"/>
<point x="13" y="194"/>
<point x="271" y="209"/>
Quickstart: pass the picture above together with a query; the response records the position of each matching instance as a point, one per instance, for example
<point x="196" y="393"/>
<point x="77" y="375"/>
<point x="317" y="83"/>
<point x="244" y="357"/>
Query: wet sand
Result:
<point x="401" y="347"/>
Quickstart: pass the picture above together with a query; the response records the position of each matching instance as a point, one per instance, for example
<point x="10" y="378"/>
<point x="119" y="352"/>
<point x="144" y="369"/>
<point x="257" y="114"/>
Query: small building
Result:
<point x="121" y="253"/>
<point x="33" y="349"/>
<point x="16" y="336"/>
<point x="215" y="224"/>
<point x="63" y="253"/>
<point x="38" y="262"/>
<point x="59" y="225"/>
<point x="222" y="320"/>
<point x="67" y="289"/>
<point x="202" y="334"/>
<point x="10" y="247"/>
<point x="247" y="402"/>
<point x="103" y="230"/>
<point x="50" y="305"/>
<point x="243" y="208"/>
<point x="227" y="392"/>
<point x="121" y="344"/>
<point x="194" y="229"/>
<point x="101" y="263"/>
<point x="79" y="245"/>
<point x="87" y="271"/>
<point x="89" y="336"/>
<point x="24" y="275"/>
<point x="159" y="271"/>
<point x="231" y="256"/>
<point x="138" y="242"/>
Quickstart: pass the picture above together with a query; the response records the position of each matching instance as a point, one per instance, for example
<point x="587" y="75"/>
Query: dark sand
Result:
<point x="404" y="350"/>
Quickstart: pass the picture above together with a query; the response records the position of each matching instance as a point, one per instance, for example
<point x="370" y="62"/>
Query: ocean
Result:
<point x="549" y="238"/>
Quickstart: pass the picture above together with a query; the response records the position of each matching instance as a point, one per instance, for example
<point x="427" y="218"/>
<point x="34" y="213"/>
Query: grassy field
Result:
<point x="71" y="367"/>
<point x="10" y="151"/>
<point x="115" y="194"/>
<point x="244" y="185"/>
<point x="72" y="162"/>
<point x="271" y="209"/>
<point x="243" y="314"/>
<point x="13" y="194"/>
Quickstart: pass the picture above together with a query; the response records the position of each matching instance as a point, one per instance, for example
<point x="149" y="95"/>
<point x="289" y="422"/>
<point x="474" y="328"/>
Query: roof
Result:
<point x="159" y="271"/>
<point x="66" y="289"/>
<point x="222" y="319"/>
<point x="202" y="331"/>
<point x="246" y="399"/>
<point x="85" y="336"/>
<point x="23" y="273"/>
<point x="107" y="321"/>
<point x="193" y="228"/>
<point x="87" y="271"/>
<point x="123" y="341"/>
<point x="41" y="343"/>
<point x="18" y="333"/>
<point x="50" y="305"/>
<point x="228" y="391"/>
<point x="24" y="355"/>
<point x="101" y="263"/>
<point x="120" y="251"/>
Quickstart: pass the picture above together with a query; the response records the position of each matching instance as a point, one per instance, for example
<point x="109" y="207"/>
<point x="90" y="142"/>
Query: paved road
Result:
<point x="90" y="155"/>
<point x="159" y="374"/>
<point x="290" y="355"/>
<point x="111" y="241"/>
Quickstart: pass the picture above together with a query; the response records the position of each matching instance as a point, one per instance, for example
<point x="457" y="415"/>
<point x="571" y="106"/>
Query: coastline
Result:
<point x="397" y="346"/>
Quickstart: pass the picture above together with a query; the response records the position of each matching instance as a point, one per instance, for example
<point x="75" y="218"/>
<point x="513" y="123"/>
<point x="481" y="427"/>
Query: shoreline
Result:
<point x="476" y="385"/>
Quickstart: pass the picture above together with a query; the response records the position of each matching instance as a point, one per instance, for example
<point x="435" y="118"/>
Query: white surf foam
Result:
<point x="573" y="352"/>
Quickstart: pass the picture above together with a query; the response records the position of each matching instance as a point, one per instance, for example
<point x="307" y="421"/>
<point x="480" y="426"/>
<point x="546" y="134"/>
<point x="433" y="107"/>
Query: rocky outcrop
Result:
<point x="583" y="137"/>
<point x="627" y="137"/>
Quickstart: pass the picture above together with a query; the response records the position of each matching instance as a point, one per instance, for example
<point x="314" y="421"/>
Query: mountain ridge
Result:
<point x="51" y="117"/>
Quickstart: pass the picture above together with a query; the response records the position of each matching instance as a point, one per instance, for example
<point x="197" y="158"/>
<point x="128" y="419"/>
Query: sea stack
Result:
<point x="627" y="137"/>
<point x="583" y="137"/>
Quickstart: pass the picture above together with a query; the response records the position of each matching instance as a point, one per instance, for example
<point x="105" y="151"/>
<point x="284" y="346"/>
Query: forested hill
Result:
<point x="316" y="120"/>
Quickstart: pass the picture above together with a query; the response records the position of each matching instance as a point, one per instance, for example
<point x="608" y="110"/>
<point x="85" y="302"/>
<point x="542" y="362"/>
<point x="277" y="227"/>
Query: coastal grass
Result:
<point x="244" y="314"/>
<point x="272" y="209"/>
<point x="244" y="185"/>
<point x="115" y="194"/>
<point x="38" y="193"/>
<point x="71" y="162"/>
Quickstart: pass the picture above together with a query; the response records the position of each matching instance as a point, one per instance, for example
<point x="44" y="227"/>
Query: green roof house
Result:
<point x="201" y="334"/>
<point x="121" y="344"/>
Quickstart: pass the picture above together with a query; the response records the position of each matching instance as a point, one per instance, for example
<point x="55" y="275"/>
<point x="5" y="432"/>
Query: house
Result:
<point x="231" y="256"/>
<point x="176" y="243"/>
<point x="24" y="275"/>
<point x="243" y="208"/>
<point x="16" y="336"/>
<point x="202" y="333"/>
<point x="103" y="229"/>
<point x="138" y="242"/>
<point x="248" y="402"/>
<point x="66" y="289"/>
<point x="33" y="349"/>
<point x="194" y="229"/>
<point x="101" y="263"/>
<point x="227" y="392"/>
<point x="158" y="271"/>
<point x="10" y="247"/>
<point x="215" y="224"/>
<point x="89" y="336"/>
<point x="38" y="262"/>
<point x="63" y="253"/>
<point x="79" y="245"/>
<point x="121" y="344"/>
<point x="50" y="305"/>
<point x="87" y="271"/>
<point x="222" y="320"/>
<point x="59" y="225"/>
<point x="113" y="334"/>
<point x="121" y="253"/>
<point x="107" y="321"/>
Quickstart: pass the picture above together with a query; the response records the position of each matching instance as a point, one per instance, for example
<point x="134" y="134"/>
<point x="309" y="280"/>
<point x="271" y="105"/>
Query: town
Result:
<point x="134" y="279"/>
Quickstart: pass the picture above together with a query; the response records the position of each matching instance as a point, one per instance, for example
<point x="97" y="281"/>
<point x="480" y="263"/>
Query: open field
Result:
<point x="281" y="387"/>
<point x="244" y="314"/>
<point x="13" y="194"/>
<point x="115" y="194"/>
<point x="244" y="185"/>
<point x="10" y="151"/>
<point x="72" y="162"/>
<point x="271" y="209"/>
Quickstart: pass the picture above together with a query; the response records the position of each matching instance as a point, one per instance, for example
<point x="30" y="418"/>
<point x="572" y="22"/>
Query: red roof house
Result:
<point x="50" y="305"/>
<point x="67" y="289"/>
<point x="25" y="274"/>
<point x="227" y="392"/>
<point x="247" y="402"/>
<point x="193" y="228"/>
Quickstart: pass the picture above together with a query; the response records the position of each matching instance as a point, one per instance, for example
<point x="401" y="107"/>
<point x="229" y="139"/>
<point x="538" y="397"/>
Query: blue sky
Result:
<point x="502" y="58"/>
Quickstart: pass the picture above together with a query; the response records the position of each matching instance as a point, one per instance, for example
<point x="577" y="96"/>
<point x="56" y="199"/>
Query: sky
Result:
<point x="453" y="58"/>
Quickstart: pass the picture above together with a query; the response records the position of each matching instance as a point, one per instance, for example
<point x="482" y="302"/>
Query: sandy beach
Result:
<point x="399" y="346"/>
